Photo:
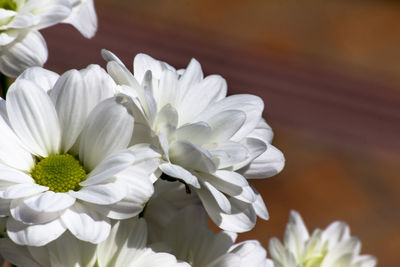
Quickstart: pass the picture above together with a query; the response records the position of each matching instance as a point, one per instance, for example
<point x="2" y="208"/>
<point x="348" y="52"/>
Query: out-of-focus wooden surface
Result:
<point x="328" y="73"/>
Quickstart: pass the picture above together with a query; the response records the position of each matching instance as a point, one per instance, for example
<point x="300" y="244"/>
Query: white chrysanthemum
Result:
<point x="65" y="157"/>
<point x="125" y="247"/>
<point x="331" y="247"/>
<point x="21" y="44"/>
<point x="209" y="141"/>
<point x="188" y="237"/>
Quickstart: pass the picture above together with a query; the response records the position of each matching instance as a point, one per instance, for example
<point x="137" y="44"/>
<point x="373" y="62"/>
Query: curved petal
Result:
<point x="71" y="106"/>
<point x="199" y="96"/>
<point x="34" y="118"/>
<point x="267" y="164"/>
<point x="49" y="12"/>
<point x="21" y="212"/>
<point x="22" y="190"/>
<point x="109" y="192"/>
<point x="180" y="173"/>
<point x="83" y="17"/>
<point x="70" y="251"/>
<point x="212" y="199"/>
<point x="191" y="157"/>
<point x="44" y="79"/>
<point x="191" y="76"/>
<point x="197" y="133"/>
<point x="113" y="164"/>
<point x="85" y="224"/>
<point x="108" y="129"/>
<point x="225" y="124"/>
<point x="50" y="201"/>
<point x="34" y="235"/>
<point x="251" y="105"/>
<point x="27" y="51"/>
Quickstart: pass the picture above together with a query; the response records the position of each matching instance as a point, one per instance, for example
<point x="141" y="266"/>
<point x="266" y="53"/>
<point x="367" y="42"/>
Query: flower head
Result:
<point x="209" y="142"/>
<point x="65" y="157"/>
<point x="21" y="44"/>
<point x="331" y="247"/>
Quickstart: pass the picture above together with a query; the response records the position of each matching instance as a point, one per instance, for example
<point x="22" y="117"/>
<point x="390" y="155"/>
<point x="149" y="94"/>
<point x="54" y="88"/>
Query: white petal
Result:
<point x="255" y="148"/>
<point x="241" y="219"/>
<point x="229" y="154"/>
<point x="200" y="95"/>
<point x="196" y="133"/>
<point x="108" y="129"/>
<point x="22" y="190"/>
<point x="251" y="253"/>
<point x="113" y="164"/>
<point x="213" y="199"/>
<point x="43" y="78"/>
<point x="10" y="175"/>
<point x="225" y="124"/>
<point x="191" y="157"/>
<point x="71" y="106"/>
<point x="27" y="51"/>
<point x="83" y="17"/>
<point x="251" y="105"/>
<point x="67" y="250"/>
<point x="17" y="255"/>
<point x="263" y="132"/>
<point x="50" y="201"/>
<point x="110" y="192"/>
<point x="192" y="75"/>
<point x="86" y="225"/>
<point x="142" y="63"/>
<point x="49" y="12"/>
<point x="34" y="235"/>
<point x="23" y="213"/>
<point x="267" y="164"/>
<point x="140" y="189"/>
<point x="259" y="205"/>
<point x="110" y="56"/>
<point x="180" y="173"/>
<point x="34" y="118"/>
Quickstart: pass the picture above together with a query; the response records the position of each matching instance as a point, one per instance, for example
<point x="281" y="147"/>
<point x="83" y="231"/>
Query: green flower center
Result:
<point x="60" y="173"/>
<point x="8" y="4"/>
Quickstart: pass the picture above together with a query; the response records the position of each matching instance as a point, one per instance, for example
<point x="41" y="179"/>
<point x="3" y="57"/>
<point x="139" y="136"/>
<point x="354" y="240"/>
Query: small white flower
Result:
<point x="125" y="247"/>
<point x="188" y="237"/>
<point x="21" y="44"/>
<point x="65" y="157"/>
<point x="331" y="247"/>
<point x="209" y="141"/>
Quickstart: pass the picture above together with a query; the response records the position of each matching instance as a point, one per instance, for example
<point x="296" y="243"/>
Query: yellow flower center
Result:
<point x="60" y="173"/>
<point x="8" y="5"/>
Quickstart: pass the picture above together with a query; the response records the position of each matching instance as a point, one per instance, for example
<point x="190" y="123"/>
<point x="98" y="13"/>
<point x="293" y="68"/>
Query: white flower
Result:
<point x="209" y="141"/>
<point x="21" y="44"/>
<point x="65" y="160"/>
<point x="188" y="237"/>
<point x="125" y="247"/>
<point x="331" y="247"/>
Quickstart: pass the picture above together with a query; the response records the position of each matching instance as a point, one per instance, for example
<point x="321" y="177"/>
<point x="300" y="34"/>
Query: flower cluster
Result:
<point x="113" y="168"/>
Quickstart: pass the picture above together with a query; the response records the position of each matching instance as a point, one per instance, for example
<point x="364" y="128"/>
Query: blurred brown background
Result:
<point x="329" y="74"/>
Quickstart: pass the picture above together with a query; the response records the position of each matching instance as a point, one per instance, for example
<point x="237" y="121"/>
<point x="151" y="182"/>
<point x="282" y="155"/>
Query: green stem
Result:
<point x="4" y="85"/>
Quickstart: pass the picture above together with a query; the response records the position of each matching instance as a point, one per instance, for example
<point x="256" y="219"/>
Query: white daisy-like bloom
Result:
<point x="188" y="237"/>
<point x="125" y="247"/>
<point x="21" y="44"/>
<point x="209" y="141"/>
<point x="331" y="247"/>
<point x="65" y="157"/>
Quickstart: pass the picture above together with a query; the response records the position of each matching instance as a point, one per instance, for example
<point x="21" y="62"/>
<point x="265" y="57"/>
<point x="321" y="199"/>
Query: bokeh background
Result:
<point x="329" y="74"/>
